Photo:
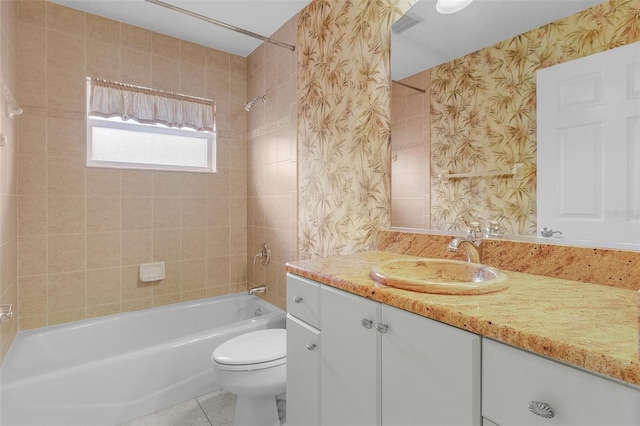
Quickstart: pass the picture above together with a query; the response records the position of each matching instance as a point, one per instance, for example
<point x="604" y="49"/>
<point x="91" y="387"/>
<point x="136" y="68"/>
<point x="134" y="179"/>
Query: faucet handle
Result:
<point x="474" y="231"/>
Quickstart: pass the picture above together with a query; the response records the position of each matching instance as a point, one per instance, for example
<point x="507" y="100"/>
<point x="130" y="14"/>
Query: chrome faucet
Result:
<point x="473" y="248"/>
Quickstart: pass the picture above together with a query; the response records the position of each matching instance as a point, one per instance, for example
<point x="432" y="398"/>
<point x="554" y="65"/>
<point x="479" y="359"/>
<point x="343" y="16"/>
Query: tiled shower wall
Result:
<point x="410" y="153"/>
<point x="82" y="232"/>
<point x="272" y="189"/>
<point x="8" y="177"/>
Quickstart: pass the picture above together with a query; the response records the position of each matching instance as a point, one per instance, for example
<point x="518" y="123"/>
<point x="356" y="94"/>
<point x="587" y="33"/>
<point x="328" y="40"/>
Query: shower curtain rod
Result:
<point x="222" y="24"/>
<point x="409" y="86"/>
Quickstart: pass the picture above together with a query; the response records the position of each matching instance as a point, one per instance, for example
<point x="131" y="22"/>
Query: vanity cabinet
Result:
<point x="380" y="365"/>
<point x="522" y="388"/>
<point x="303" y="353"/>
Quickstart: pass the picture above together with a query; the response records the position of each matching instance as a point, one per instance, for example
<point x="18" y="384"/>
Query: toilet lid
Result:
<point x="256" y="347"/>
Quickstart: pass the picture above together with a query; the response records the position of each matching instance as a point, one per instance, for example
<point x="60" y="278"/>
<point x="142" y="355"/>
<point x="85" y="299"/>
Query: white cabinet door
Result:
<point x="589" y="147"/>
<point x="520" y="388"/>
<point x="349" y="361"/>
<point x="430" y="372"/>
<point x="303" y="373"/>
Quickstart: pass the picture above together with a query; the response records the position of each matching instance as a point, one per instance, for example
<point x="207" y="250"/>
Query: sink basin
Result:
<point x="441" y="276"/>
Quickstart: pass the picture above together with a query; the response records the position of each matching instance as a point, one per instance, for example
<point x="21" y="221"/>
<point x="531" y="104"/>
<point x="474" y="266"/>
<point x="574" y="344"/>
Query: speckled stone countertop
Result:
<point x="588" y="325"/>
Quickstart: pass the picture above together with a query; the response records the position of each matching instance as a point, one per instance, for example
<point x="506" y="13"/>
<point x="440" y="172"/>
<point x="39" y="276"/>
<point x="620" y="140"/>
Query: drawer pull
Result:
<point x="297" y="299"/>
<point x="311" y="346"/>
<point x="541" y="409"/>
<point x="382" y="328"/>
<point x="366" y="323"/>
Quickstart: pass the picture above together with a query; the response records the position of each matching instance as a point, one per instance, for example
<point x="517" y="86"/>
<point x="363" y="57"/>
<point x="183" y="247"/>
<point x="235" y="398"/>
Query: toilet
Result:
<point x="254" y="367"/>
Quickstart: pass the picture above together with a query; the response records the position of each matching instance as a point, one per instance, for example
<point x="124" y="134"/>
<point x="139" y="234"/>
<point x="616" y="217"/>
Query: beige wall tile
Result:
<point x="103" y="287"/>
<point x="137" y="213"/>
<point x="218" y="241"/>
<point x="66" y="91"/>
<point x="193" y="184"/>
<point x="166" y="46"/>
<point x="218" y="272"/>
<point x="194" y="212"/>
<point x="135" y="67"/>
<point x="166" y="74"/>
<point x="103" y="250"/>
<point x="32" y="256"/>
<point x="193" y="243"/>
<point x="166" y="212"/>
<point x="65" y="51"/>
<point x="66" y="291"/>
<point x="135" y="38"/>
<point x="166" y="184"/>
<point x="66" y="316"/>
<point x="66" y="215"/>
<point x="137" y="182"/>
<point x="103" y="214"/>
<point x="193" y="274"/>
<point x="166" y="244"/>
<point x="103" y="181"/>
<point x="32" y="84"/>
<point x="32" y="175"/>
<point x="66" y="253"/>
<point x="27" y="323"/>
<point x="65" y="19"/>
<point x="187" y="296"/>
<point x="137" y="247"/>
<point x="102" y="310"/>
<point x="103" y="29"/>
<point x="33" y="12"/>
<point x="218" y="211"/>
<point x="32" y="215"/>
<point x="33" y="295"/>
<point x="65" y="176"/>
<point x="166" y="299"/>
<point x="32" y="129"/>
<point x="132" y="288"/>
<point x="103" y="60"/>
<point x="32" y="45"/>
<point x="171" y="282"/>
<point x="66" y="138"/>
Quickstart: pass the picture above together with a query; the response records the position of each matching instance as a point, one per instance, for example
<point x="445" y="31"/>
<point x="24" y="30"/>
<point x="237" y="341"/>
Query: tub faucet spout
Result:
<point x="258" y="289"/>
<point x="472" y="247"/>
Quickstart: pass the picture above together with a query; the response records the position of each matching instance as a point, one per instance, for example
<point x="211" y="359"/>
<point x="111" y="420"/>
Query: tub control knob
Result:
<point x="297" y="299"/>
<point x="311" y="346"/>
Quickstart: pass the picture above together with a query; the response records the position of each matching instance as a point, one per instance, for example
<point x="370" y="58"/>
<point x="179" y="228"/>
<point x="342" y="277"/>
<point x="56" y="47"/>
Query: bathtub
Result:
<point x="112" y="369"/>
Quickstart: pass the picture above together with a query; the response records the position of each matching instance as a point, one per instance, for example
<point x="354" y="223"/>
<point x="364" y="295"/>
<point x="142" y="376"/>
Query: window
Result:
<point x="138" y="128"/>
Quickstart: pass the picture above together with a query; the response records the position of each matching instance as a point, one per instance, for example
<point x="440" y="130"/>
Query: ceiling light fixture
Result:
<point x="451" y="6"/>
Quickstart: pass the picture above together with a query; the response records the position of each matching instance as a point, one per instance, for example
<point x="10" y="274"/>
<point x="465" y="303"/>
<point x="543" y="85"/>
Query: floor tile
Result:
<point x="188" y="413"/>
<point x="219" y="407"/>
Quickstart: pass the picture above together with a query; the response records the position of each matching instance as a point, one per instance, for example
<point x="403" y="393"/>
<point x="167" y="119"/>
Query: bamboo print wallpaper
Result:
<point x="343" y="124"/>
<point x="483" y="115"/>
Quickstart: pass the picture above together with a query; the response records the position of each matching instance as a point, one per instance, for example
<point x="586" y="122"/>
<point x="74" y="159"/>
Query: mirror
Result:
<point x="477" y="111"/>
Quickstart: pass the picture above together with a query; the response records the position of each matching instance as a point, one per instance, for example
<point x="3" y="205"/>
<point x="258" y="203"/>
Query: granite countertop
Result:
<point x="588" y="325"/>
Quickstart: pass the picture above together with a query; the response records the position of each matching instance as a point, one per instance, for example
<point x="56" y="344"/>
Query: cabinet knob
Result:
<point x="541" y="409"/>
<point x="366" y="323"/>
<point x="297" y="299"/>
<point x="382" y="328"/>
<point x="311" y="346"/>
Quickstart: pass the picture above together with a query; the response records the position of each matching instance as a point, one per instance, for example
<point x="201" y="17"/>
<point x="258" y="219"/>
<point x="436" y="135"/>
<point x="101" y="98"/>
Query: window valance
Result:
<point x="150" y="106"/>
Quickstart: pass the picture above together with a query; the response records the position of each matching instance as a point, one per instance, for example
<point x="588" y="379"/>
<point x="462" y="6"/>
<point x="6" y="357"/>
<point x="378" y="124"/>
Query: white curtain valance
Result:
<point x="150" y="106"/>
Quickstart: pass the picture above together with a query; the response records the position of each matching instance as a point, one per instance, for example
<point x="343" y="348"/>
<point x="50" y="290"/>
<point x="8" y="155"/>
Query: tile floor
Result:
<point x="213" y="409"/>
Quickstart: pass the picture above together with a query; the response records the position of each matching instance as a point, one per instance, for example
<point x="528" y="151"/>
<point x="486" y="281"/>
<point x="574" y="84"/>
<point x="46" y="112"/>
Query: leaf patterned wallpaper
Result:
<point x="483" y="115"/>
<point x="343" y="123"/>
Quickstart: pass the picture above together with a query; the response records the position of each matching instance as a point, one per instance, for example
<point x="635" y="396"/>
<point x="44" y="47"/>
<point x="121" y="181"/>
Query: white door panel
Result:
<point x="589" y="147"/>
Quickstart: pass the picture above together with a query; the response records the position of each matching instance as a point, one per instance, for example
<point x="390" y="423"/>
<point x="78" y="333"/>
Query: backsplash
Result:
<point x="615" y="268"/>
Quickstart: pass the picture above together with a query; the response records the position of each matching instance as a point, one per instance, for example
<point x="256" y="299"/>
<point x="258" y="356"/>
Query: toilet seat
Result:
<point x="252" y="351"/>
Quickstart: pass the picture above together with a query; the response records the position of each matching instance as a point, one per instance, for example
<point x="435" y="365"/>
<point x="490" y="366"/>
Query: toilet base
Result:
<point x="256" y="411"/>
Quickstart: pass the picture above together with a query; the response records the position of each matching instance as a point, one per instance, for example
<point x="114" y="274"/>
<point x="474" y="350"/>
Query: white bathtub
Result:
<point x="112" y="369"/>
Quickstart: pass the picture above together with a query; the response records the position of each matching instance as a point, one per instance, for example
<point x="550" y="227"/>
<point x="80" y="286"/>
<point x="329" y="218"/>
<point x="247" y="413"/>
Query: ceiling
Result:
<point x="437" y="39"/>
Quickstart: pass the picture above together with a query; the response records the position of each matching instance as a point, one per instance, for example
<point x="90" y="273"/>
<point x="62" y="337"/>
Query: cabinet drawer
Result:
<point x="512" y="378"/>
<point x="303" y="299"/>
